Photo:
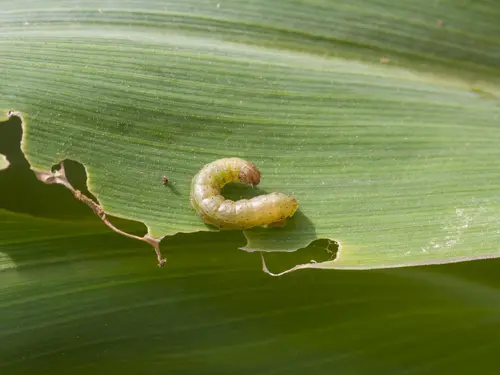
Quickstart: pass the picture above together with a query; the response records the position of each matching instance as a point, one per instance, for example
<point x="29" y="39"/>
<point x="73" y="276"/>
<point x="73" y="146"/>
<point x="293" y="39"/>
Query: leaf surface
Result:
<point x="381" y="117"/>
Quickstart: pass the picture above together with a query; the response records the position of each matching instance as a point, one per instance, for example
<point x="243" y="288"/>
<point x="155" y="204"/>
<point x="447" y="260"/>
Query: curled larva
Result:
<point x="214" y="209"/>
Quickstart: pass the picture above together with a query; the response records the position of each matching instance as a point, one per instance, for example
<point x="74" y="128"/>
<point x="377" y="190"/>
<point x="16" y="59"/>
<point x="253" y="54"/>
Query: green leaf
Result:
<point x="380" y="117"/>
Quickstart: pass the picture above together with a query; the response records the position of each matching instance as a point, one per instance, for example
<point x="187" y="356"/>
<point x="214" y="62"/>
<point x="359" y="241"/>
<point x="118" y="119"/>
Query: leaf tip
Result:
<point x="4" y="163"/>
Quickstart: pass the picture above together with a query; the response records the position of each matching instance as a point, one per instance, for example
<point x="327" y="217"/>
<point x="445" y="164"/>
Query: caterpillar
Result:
<point x="223" y="213"/>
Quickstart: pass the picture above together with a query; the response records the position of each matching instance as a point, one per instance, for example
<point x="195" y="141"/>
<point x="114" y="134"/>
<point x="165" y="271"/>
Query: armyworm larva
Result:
<point x="214" y="209"/>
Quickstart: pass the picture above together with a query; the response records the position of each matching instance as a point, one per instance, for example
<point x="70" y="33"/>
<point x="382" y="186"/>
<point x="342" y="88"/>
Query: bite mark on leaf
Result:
<point x="58" y="176"/>
<point x="332" y="248"/>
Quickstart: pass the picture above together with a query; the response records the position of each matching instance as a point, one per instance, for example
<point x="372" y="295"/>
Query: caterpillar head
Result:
<point x="249" y="174"/>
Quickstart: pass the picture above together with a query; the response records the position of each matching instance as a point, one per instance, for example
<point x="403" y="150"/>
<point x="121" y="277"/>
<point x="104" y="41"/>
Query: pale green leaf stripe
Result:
<point x="409" y="27"/>
<point x="397" y="165"/>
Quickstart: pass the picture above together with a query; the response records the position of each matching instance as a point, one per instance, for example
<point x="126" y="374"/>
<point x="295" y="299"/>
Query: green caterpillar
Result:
<point x="223" y="213"/>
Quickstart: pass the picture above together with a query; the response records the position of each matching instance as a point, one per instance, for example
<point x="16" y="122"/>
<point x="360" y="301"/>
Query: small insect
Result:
<point x="214" y="209"/>
<point x="164" y="180"/>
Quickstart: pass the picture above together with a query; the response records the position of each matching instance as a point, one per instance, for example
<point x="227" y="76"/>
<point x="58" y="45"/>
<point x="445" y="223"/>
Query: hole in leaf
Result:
<point x="320" y="250"/>
<point x="76" y="175"/>
<point x="20" y="190"/>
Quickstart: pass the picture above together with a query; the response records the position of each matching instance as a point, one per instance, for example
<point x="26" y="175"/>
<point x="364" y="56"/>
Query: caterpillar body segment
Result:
<point x="223" y="213"/>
